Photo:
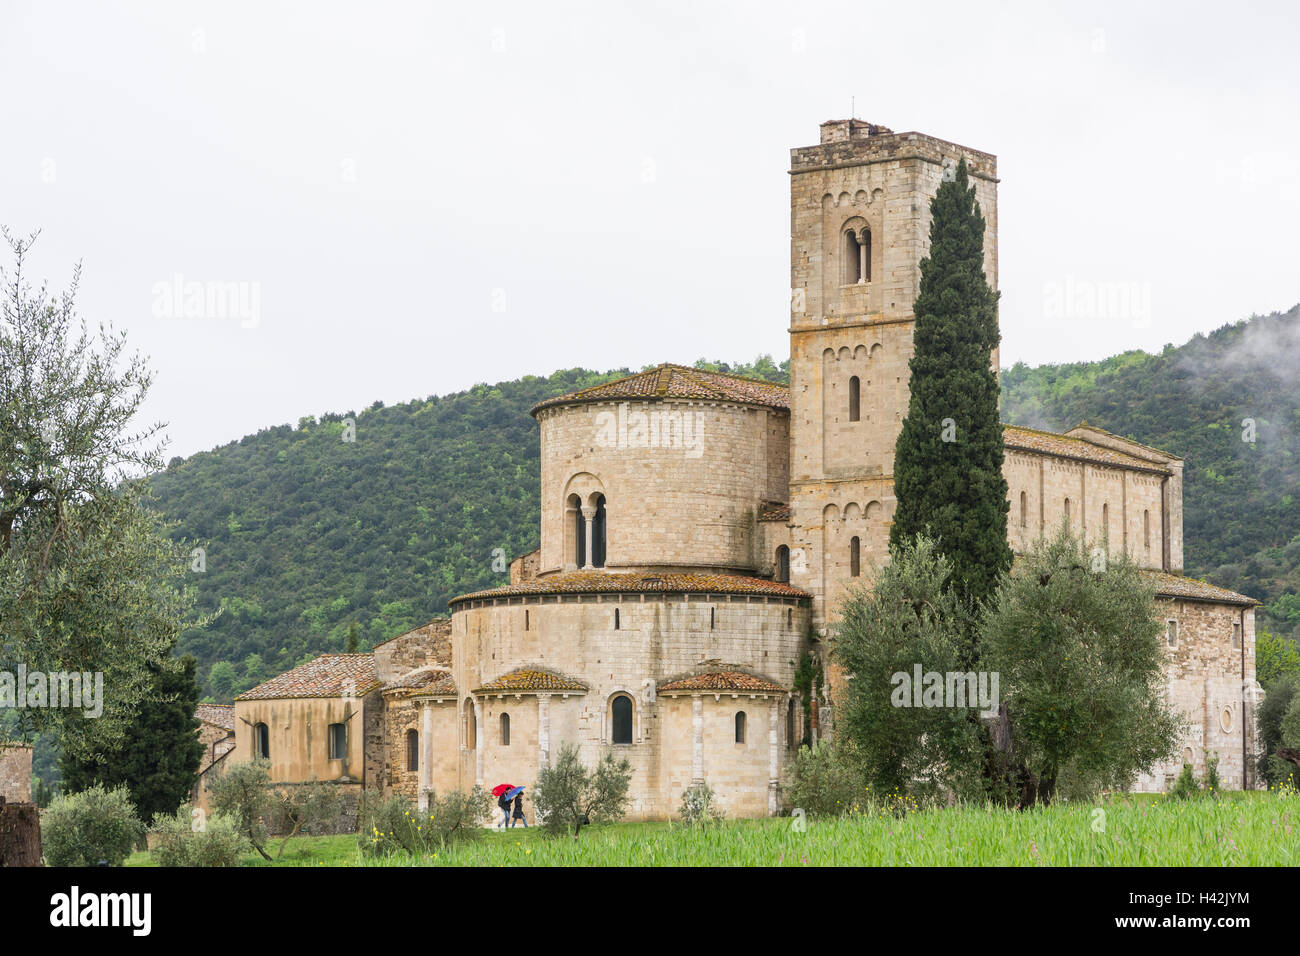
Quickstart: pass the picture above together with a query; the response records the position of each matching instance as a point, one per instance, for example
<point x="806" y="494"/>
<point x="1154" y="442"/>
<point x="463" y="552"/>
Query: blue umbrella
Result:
<point x="514" y="792"/>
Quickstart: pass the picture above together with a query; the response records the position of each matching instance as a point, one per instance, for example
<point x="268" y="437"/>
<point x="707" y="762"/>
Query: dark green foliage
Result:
<point x="158" y="758"/>
<point x="1241" y="506"/>
<point x="309" y="537"/>
<point x="948" y="458"/>
<point x="1274" y="657"/>
<point x="1185" y="787"/>
<point x="1282" y="698"/>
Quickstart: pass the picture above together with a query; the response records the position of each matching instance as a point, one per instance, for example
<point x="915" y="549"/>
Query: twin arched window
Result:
<point x="857" y="256"/>
<point x="580" y="533"/>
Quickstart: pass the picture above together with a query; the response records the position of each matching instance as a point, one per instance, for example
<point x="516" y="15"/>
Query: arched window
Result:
<point x="1105" y="520"/>
<point x="598" y="534"/>
<point x="412" y="750"/>
<point x="262" y="741"/>
<point x="526" y="622"/>
<point x="616" y="619"/>
<point x="1146" y="530"/>
<point x="1024" y="510"/>
<point x="740" y="726"/>
<point x="789" y="617"/>
<point x="338" y="738"/>
<point x="783" y="564"/>
<point x="1067" y="512"/>
<point x="471" y="726"/>
<point x="713" y="617"/>
<point x="789" y="724"/>
<point x="857" y="256"/>
<point x="505" y="730"/>
<point x="852" y="259"/>
<point x="621" y="719"/>
<point x="579" y="551"/>
<point x="855" y="398"/>
<point x="855" y="557"/>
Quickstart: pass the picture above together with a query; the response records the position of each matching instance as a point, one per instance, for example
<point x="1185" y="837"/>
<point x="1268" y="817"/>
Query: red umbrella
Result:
<point x="502" y="788"/>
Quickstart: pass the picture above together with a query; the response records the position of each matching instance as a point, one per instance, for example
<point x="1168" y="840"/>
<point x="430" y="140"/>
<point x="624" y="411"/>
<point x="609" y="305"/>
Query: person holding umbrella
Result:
<point x="519" y="806"/>
<point x="503" y="792"/>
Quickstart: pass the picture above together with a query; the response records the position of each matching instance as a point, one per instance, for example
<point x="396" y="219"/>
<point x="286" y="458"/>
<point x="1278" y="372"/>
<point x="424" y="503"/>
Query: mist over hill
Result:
<point x="370" y="521"/>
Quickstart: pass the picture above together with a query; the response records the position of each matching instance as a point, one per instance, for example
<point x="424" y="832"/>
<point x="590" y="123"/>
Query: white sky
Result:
<point x="425" y="197"/>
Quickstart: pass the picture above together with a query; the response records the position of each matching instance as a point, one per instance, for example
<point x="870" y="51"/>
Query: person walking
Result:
<point x="504" y="803"/>
<point x="519" y="810"/>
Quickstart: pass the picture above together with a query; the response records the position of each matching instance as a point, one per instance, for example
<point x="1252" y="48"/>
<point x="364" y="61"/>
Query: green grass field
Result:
<point x="1254" y="829"/>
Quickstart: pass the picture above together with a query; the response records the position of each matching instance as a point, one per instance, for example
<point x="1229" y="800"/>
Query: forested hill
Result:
<point x="1204" y="401"/>
<point x="308" y="536"/>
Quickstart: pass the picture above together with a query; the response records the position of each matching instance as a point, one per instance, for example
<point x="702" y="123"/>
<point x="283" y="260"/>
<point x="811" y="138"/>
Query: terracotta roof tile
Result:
<point x="1050" y="443"/>
<point x="1178" y="586"/>
<point x="678" y="381"/>
<point x="532" y="679"/>
<point x="429" y="680"/>
<point x="607" y="582"/>
<point x="219" y="715"/>
<point x="721" y="680"/>
<point x="330" y="675"/>
<point x="774" y="511"/>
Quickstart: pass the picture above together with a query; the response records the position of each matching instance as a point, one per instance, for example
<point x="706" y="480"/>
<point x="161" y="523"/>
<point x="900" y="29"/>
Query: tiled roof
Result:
<point x="1050" y="443"/>
<point x="330" y="675"/>
<point x="1178" y="586"/>
<point x="219" y="715"/>
<point x="723" y="681"/>
<point x="678" y="381"/>
<point x="532" y="679"/>
<point x="429" y="680"/>
<point x="774" y="511"/>
<point x="606" y="582"/>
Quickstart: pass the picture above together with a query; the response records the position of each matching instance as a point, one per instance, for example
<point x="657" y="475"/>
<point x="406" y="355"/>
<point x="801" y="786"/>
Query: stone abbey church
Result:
<point x="699" y="530"/>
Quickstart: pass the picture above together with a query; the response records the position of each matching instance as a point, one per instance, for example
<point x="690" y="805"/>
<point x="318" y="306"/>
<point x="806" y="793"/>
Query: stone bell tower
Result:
<point x="859" y="227"/>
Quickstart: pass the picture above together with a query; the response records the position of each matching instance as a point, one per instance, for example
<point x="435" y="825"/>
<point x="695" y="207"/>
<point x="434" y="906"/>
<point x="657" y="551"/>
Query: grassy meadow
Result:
<point x="1251" y="829"/>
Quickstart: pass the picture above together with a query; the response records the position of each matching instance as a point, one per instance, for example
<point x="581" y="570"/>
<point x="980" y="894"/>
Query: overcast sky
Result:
<point x="415" y="198"/>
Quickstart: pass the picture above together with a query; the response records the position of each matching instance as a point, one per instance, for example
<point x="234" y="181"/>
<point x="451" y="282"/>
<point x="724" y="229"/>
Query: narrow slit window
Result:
<point x="855" y="398"/>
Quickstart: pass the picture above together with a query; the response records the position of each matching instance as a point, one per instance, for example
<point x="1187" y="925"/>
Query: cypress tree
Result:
<point x="948" y="460"/>
<point x="158" y="758"/>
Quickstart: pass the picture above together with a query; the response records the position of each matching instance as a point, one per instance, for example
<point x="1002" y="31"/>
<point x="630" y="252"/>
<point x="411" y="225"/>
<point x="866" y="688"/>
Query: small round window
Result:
<point x="1225" y="719"/>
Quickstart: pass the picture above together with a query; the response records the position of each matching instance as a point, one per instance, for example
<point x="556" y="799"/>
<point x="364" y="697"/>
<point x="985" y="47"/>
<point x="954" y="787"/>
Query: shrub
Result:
<point x="1211" y="783"/>
<point x="824" y="781"/>
<point x="182" y="839"/>
<point x="1185" y="787"/>
<point x="570" y="795"/>
<point x="697" y="806"/>
<point x="90" y="827"/>
<point x="394" y="824"/>
<point x="245" y="794"/>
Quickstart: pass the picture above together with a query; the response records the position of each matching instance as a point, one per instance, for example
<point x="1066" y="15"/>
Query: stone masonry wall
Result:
<point x="691" y="506"/>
